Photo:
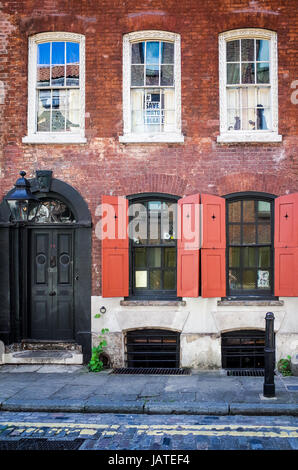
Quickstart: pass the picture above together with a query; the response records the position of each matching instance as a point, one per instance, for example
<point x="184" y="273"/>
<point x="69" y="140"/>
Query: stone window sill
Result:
<point x="257" y="303"/>
<point x="265" y="137"/>
<point x="146" y="138"/>
<point x="48" y="138"/>
<point x="152" y="303"/>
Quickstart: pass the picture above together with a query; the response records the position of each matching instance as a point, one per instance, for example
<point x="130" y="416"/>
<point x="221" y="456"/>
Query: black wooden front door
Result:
<point x="51" y="284"/>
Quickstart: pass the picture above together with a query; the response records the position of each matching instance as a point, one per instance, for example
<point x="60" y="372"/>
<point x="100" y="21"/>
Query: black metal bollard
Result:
<point x="269" y="386"/>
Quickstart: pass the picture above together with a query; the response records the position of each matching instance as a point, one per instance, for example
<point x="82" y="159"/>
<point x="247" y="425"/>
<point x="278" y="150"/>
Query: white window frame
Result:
<point x="128" y="136"/>
<point x="248" y="135"/>
<point x="34" y="137"/>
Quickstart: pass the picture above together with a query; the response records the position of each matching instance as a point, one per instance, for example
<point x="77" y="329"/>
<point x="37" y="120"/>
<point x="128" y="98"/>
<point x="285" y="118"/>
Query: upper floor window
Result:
<point x="151" y="87"/>
<point x="56" y="88"/>
<point x="248" y="86"/>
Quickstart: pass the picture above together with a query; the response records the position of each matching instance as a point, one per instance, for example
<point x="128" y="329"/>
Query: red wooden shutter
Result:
<point x="286" y="245"/>
<point x="213" y="264"/>
<point x="115" y="244"/>
<point x="188" y="246"/>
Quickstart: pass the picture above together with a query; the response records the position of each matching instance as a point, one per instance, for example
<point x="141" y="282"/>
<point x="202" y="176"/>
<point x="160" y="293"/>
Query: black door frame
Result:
<point x="14" y="267"/>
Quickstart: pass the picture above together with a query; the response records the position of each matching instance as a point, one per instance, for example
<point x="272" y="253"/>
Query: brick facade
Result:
<point x="105" y="166"/>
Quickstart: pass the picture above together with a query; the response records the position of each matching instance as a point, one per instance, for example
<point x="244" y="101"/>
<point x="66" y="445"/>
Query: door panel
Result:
<point x="51" y="277"/>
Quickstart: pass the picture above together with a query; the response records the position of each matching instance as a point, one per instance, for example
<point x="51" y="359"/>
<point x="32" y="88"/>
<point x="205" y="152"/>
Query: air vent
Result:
<point x="245" y="373"/>
<point x="154" y="371"/>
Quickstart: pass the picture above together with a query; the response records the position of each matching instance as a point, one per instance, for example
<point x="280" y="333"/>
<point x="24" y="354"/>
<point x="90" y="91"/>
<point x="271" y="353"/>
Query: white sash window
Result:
<point x="151" y="87"/>
<point x="248" y="86"/>
<point x="56" y="88"/>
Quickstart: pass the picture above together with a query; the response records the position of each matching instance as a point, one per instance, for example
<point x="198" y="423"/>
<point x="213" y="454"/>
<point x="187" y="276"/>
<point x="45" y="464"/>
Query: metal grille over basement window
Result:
<point x="243" y="349"/>
<point x="153" y="348"/>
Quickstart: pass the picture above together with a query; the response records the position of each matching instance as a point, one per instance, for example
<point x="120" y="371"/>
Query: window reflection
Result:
<point x="58" y="68"/>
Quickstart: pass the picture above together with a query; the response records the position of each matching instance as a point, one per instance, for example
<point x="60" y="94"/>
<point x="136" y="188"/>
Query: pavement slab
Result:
<point x="66" y="388"/>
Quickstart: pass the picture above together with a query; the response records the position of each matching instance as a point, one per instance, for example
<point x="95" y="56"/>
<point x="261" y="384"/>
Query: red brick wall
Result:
<point x="103" y="165"/>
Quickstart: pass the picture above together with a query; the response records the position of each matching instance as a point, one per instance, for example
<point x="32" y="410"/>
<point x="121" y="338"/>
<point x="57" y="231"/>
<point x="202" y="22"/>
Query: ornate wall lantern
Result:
<point x="21" y="201"/>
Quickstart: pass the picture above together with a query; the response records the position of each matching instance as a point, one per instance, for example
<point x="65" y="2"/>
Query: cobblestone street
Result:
<point x="138" y="432"/>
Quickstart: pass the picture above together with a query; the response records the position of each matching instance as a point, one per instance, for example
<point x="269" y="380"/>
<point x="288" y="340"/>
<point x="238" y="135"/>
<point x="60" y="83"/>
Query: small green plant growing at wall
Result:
<point x="95" y="364"/>
<point x="284" y="366"/>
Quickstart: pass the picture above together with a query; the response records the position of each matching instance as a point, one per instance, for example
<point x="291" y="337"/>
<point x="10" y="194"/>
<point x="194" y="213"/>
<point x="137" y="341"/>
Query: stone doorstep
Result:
<point x="43" y="357"/>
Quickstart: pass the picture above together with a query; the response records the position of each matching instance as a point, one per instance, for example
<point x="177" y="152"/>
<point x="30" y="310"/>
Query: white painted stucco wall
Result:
<point x="200" y="322"/>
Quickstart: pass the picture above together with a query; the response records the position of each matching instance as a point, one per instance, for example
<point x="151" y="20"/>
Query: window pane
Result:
<point x="247" y="50"/>
<point x="137" y="117"/>
<point x="72" y="75"/>
<point x="154" y="222"/>
<point x="169" y="279"/>
<point x="153" y="115"/>
<point x="234" y="234"/>
<point x="155" y="279"/>
<point x="234" y="122"/>
<point x="263" y="211"/>
<point x="44" y="111"/>
<point x="72" y="53"/>
<point x="233" y="48"/>
<point x="233" y="98"/>
<point x="43" y="64"/>
<point x="263" y="118"/>
<point x="168" y="222"/>
<point x="154" y="257"/>
<point x="137" y="53"/>
<point x="248" y="97"/>
<point x="263" y="97"/>
<point x="43" y="53"/>
<point x="264" y="260"/>
<point x="58" y="53"/>
<point x="141" y="279"/>
<point x="234" y="257"/>
<point x="170" y="257"/>
<point x="263" y="72"/>
<point x="167" y="53"/>
<point x="248" y="119"/>
<point x="137" y="75"/>
<point x="73" y="111"/>
<point x="152" y="53"/>
<point x="248" y="211"/>
<point x="262" y="46"/>
<point x="249" y="257"/>
<point x="249" y="279"/>
<point x="152" y="75"/>
<point x="249" y="234"/>
<point x="234" y="279"/>
<point x="140" y="257"/>
<point x="58" y="110"/>
<point x="73" y="61"/>
<point x="234" y="211"/>
<point x="58" y="72"/>
<point x="264" y="233"/>
<point x="248" y="73"/>
<point x="167" y="75"/>
<point x="233" y="74"/>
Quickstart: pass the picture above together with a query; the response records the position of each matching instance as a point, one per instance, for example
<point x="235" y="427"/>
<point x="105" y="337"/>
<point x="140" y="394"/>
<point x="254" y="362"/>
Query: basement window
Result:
<point x="153" y="348"/>
<point x="243" y="349"/>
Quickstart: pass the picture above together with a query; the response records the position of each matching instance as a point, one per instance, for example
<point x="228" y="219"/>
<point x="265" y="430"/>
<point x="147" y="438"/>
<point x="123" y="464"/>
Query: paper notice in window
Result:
<point x="141" y="278"/>
<point x="263" y="279"/>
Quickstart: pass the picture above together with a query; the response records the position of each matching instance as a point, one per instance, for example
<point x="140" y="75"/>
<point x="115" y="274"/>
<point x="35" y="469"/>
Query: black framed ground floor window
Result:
<point x="250" y="246"/>
<point x="153" y="247"/>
